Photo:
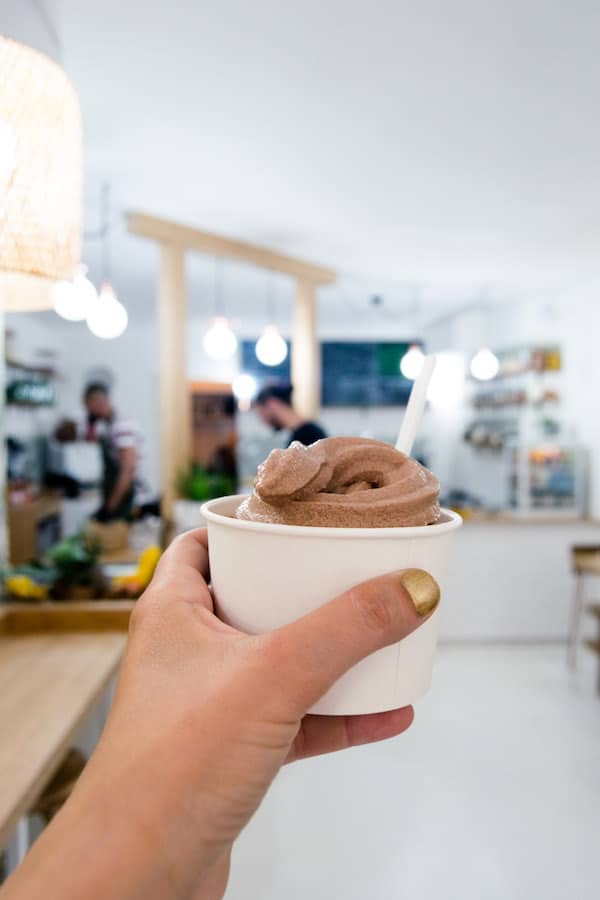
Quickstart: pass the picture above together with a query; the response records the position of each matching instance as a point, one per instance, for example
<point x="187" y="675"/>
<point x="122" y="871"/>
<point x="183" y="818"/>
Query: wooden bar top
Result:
<point x="56" y="660"/>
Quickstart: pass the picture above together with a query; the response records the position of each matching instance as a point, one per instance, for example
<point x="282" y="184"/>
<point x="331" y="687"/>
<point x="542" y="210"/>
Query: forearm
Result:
<point x="111" y="839"/>
<point x="122" y="486"/>
<point x="89" y="850"/>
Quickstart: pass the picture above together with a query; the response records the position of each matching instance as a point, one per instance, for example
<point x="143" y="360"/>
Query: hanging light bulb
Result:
<point x="412" y="362"/>
<point x="244" y="387"/>
<point x="220" y="342"/>
<point x="271" y="349"/>
<point x="484" y="365"/>
<point x="73" y="300"/>
<point x="107" y="317"/>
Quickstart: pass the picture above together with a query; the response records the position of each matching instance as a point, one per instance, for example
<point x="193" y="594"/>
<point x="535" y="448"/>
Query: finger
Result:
<point x="326" y="734"/>
<point x="313" y="652"/>
<point x="183" y="570"/>
<point x="188" y="552"/>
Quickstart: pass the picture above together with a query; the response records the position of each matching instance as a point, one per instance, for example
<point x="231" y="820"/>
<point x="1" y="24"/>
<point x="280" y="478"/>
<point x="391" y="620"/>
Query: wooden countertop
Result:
<point x="55" y="662"/>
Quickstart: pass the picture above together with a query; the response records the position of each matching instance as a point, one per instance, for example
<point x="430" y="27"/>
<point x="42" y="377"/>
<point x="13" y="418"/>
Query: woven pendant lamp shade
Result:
<point x="40" y="177"/>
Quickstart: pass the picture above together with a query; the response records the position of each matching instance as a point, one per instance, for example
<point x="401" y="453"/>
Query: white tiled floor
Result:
<point x="493" y="794"/>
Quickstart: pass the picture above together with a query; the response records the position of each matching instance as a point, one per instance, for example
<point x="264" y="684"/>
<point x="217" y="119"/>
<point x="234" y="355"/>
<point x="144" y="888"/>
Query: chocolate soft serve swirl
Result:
<point x="343" y="483"/>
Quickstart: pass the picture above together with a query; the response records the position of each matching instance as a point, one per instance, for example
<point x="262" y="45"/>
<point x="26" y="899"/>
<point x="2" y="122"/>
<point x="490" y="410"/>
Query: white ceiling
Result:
<point x="429" y="150"/>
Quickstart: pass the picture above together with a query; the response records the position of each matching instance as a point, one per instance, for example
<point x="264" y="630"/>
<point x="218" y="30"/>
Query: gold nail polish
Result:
<point x="423" y="589"/>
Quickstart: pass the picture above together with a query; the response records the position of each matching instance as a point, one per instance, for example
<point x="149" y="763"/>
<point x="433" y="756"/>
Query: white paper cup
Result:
<point x="265" y="576"/>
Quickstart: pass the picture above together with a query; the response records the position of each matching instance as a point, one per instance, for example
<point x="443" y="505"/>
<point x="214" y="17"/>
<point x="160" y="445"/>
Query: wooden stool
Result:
<point x="585" y="561"/>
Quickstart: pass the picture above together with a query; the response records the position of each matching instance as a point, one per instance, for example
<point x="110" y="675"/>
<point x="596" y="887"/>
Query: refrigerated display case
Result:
<point x="549" y="479"/>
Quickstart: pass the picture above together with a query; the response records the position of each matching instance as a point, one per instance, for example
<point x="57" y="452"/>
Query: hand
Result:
<point x="104" y="514"/>
<point x="204" y="716"/>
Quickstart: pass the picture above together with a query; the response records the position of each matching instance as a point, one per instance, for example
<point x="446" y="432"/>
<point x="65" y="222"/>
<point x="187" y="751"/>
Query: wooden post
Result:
<point x="174" y="401"/>
<point x="306" y="362"/>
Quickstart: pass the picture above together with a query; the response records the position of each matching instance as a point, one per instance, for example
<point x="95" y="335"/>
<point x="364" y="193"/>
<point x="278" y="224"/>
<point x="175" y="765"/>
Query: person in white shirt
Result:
<point x="121" y="443"/>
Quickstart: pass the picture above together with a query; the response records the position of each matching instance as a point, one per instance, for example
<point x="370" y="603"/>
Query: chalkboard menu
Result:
<point x="353" y="373"/>
<point x="363" y="374"/>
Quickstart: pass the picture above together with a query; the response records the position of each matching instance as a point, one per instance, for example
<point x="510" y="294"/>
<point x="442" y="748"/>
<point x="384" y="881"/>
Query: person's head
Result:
<point x="97" y="401"/>
<point x="274" y="404"/>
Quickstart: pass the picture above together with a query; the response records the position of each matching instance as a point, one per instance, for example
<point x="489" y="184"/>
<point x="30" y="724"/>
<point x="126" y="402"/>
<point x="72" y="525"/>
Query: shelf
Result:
<point x="46" y="371"/>
<point x="505" y="376"/>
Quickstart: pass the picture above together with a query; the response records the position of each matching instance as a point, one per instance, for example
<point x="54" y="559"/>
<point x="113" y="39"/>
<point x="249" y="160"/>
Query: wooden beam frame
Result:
<point x="174" y="241"/>
<point x="165" y="232"/>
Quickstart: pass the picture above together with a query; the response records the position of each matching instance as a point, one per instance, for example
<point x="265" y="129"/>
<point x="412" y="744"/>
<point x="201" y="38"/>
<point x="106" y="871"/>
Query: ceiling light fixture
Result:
<point x="412" y="362"/>
<point x="244" y="387"/>
<point x="107" y="317"/>
<point x="271" y="349"/>
<point x="484" y="365"/>
<point x="73" y="300"/>
<point x="219" y="342"/>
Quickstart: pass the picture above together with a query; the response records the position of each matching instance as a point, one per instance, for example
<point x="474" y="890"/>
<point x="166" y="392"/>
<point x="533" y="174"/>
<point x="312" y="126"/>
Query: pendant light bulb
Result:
<point x="412" y="362"/>
<point x="484" y="365"/>
<point x="220" y="343"/>
<point x="107" y="318"/>
<point x="271" y="349"/>
<point x="73" y="300"/>
<point x="244" y="387"/>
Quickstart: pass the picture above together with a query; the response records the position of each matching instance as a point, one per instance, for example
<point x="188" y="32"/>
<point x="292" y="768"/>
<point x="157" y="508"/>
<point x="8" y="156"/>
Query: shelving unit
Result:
<point x="46" y="371"/>
<point x="518" y="416"/>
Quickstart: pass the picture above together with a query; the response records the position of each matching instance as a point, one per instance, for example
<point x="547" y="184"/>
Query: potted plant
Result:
<point x="195" y="486"/>
<point x="77" y="575"/>
<point x="69" y="571"/>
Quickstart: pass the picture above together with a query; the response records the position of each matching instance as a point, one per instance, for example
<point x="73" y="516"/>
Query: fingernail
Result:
<point x="423" y="589"/>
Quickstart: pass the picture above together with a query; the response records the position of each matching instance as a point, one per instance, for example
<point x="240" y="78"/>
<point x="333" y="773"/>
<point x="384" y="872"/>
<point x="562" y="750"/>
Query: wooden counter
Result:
<point x="55" y="662"/>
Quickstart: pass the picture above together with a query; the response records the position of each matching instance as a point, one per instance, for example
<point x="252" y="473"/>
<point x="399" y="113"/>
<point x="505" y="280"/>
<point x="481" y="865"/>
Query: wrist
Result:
<point x="132" y="806"/>
<point x="152" y="803"/>
<point x="127" y="838"/>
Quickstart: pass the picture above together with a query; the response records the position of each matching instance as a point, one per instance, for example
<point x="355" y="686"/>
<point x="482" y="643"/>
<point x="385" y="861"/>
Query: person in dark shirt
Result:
<point x="274" y="406"/>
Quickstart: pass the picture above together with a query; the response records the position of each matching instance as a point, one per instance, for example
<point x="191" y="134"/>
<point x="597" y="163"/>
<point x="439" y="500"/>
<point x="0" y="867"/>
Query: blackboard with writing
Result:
<point x="365" y="373"/>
